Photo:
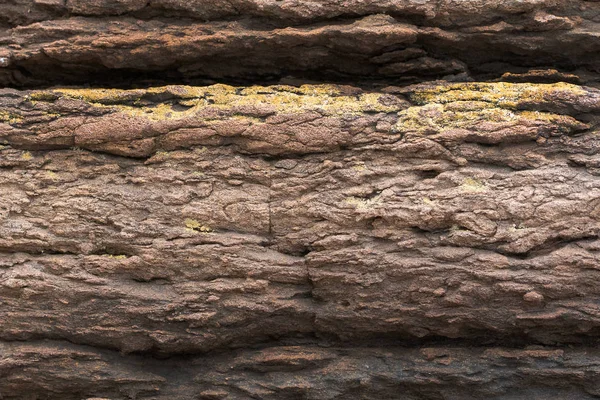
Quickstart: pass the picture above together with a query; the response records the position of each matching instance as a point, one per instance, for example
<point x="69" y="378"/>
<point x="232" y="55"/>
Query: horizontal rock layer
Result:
<point x="69" y="372"/>
<point x="183" y="219"/>
<point x="108" y="41"/>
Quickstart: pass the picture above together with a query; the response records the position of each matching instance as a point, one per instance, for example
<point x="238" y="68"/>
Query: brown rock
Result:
<point x="110" y="41"/>
<point x="181" y="202"/>
<point x="386" y="236"/>
<point x="533" y="297"/>
<point x="299" y="371"/>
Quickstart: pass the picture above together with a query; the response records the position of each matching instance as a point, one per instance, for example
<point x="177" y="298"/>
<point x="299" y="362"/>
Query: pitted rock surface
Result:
<point x="299" y="199"/>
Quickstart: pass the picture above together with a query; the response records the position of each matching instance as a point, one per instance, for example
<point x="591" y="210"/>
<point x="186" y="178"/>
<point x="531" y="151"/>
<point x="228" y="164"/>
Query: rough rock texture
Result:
<point x="60" y="370"/>
<point x="390" y="235"/>
<point x="49" y="41"/>
<point x="179" y="220"/>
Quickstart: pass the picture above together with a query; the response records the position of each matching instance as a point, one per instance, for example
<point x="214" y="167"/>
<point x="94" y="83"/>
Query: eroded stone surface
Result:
<point x="70" y="372"/>
<point x="186" y="219"/>
<point x="390" y="237"/>
<point x="49" y="41"/>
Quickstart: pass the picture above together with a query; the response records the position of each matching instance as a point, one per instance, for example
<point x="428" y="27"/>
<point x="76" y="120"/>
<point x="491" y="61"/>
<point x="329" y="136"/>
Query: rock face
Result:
<point x="211" y="220"/>
<point x="109" y="41"/>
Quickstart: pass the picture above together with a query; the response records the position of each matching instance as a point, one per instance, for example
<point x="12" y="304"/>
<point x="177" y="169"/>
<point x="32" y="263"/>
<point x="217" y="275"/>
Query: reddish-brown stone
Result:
<point x="388" y="236"/>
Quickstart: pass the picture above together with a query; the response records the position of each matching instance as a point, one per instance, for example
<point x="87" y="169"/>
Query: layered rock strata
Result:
<point x="183" y="220"/>
<point x="299" y="199"/>
<point x="46" y="42"/>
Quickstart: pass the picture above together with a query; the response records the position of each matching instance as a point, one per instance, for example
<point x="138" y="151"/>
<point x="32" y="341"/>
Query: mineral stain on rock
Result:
<point x="299" y="199"/>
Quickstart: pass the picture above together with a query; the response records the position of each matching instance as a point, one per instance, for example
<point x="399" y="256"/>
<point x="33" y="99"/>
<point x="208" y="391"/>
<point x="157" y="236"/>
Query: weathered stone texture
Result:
<point x="425" y="227"/>
<point x="78" y="41"/>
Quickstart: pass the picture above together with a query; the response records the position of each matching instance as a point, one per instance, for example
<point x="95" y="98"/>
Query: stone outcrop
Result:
<point x="71" y="372"/>
<point x="211" y="220"/>
<point x="115" y="41"/>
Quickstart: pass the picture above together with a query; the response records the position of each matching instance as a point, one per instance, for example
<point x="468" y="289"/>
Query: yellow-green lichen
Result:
<point x="437" y="118"/>
<point x="115" y="256"/>
<point x="501" y="94"/>
<point x="465" y="105"/>
<point x="548" y="117"/>
<point x="10" y="118"/>
<point x="517" y="227"/>
<point x="457" y="228"/>
<point x="439" y="108"/>
<point x="359" y="167"/>
<point x="284" y="99"/>
<point x="362" y="203"/>
<point x="473" y="185"/>
<point x="52" y="175"/>
<point x="102" y="96"/>
<point x="26" y="156"/>
<point x="42" y="95"/>
<point x="162" y="154"/>
<point x="193" y="225"/>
